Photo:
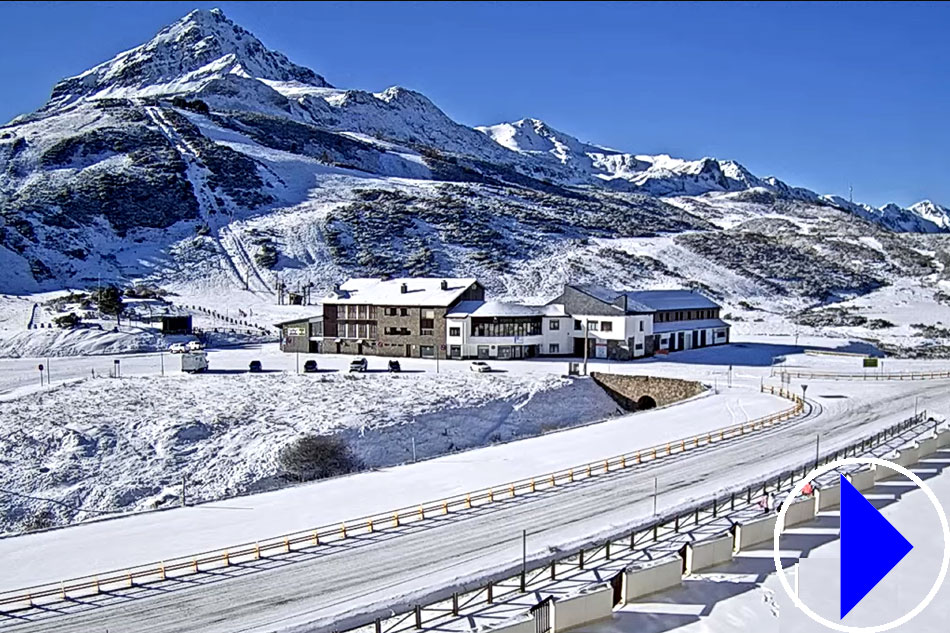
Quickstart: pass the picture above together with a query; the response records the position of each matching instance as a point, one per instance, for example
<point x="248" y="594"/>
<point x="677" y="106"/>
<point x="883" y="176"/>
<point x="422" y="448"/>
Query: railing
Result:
<point x="667" y="527"/>
<point x="215" y="559"/>
<point x="830" y="375"/>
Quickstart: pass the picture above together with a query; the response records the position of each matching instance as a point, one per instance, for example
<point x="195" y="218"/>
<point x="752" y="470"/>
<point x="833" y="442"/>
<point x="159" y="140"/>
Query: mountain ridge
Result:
<point x="154" y="160"/>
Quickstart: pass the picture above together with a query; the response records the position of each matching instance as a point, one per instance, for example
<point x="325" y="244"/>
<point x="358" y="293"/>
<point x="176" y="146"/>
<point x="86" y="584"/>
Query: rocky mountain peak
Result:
<point x="183" y="57"/>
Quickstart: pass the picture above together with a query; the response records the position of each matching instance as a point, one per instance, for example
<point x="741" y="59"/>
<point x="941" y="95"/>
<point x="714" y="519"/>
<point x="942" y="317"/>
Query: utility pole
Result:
<point x="48" y="381"/>
<point x="161" y="355"/>
<point x="297" y="362"/>
<point x="524" y="559"/>
<point x="183" y="498"/>
<point x="654" y="495"/>
<point x="817" y="448"/>
<point x="413" y="448"/>
<point x="586" y="343"/>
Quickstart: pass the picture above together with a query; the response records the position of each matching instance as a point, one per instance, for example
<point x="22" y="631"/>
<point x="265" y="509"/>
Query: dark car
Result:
<point x="394" y="366"/>
<point x="255" y="366"/>
<point x="310" y="366"/>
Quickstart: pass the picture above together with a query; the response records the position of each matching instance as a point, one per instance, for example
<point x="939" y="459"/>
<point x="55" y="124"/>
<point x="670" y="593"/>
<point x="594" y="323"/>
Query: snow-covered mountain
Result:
<point x="190" y="156"/>
<point x="201" y="49"/>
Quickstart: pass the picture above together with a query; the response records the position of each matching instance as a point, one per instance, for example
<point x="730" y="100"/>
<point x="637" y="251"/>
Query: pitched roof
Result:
<point x="420" y="291"/>
<point x="671" y="299"/>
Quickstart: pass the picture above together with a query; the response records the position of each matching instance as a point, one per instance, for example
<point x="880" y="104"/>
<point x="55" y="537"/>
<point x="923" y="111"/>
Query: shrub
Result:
<point x="67" y="320"/>
<point x="42" y="520"/>
<point x="266" y="256"/>
<point x="316" y="456"/>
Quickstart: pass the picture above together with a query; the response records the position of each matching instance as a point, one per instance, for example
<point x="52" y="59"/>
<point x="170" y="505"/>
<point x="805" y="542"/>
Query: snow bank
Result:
<point x="120" y="445"/>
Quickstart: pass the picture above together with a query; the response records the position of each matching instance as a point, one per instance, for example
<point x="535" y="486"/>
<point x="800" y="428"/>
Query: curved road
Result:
<point x="318" y="589"/>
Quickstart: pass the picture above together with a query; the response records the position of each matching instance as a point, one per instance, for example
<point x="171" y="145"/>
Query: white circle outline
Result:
<point x="779" y="528"/>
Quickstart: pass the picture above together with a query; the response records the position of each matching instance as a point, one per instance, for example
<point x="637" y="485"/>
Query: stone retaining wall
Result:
<point x="636" y="392"/>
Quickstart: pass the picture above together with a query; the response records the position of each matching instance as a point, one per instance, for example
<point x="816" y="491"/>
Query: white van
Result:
<point x="194" y="362"/>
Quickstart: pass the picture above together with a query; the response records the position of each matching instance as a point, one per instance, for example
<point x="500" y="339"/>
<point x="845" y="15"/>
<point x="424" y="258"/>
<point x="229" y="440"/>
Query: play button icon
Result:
<point x="870" y="547"/>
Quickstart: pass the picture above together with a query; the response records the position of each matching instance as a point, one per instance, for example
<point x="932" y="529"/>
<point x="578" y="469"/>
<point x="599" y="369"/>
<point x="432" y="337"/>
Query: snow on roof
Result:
<point x="676" y="326"/>
<point x="420" y="291"/>
<point x="609" y="296"/>
<point x="671" y="299"/>
<point x="503" y="309"/>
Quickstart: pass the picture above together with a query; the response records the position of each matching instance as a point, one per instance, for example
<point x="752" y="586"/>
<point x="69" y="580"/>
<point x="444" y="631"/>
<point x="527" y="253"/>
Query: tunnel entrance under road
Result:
<point x="645" y="402"/>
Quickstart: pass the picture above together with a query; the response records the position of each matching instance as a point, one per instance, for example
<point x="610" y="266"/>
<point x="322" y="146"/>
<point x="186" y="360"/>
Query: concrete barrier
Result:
<point x="907" y="457"/>
<point x="653" y="576"/>
<point x="520" y="624"/>
<point x="708" y="553"/>
<point x="753" y="532"/>
<point x="928" y="447"/>
<point x="882" y="472"/>
<point x="863" y="479"/>
<point x="800" y="511"/>
<point x="829" y="496"/>
<point x="583" y="608"/>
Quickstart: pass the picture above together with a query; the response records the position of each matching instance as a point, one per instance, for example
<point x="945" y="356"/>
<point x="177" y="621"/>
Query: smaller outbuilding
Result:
<point x="176" y="324"/>
<point x="303" y="335"/>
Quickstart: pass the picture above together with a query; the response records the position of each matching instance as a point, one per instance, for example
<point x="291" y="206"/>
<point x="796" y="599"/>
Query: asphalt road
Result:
<point x="310" y="591"/>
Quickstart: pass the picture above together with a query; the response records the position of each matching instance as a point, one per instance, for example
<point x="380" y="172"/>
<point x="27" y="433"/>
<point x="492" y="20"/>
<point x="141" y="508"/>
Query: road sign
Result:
<point x="870" y="362"/>
<point x="40" y="367"/>
<point x="870" y="547"/>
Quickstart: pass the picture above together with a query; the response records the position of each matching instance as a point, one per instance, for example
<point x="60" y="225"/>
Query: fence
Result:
<point x="595" y="556"/>
<point x="830" y="375"/>
<point x="163" y="570"/>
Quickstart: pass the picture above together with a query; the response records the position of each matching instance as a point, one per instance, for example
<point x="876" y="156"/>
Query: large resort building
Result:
<point x="450" y="318"/>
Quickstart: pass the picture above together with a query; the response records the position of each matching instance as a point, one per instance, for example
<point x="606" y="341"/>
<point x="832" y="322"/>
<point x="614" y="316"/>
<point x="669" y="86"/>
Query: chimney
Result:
<point x="445" y="285"/>
<point x="336" y="290"/>
<point x="403" y="289"/>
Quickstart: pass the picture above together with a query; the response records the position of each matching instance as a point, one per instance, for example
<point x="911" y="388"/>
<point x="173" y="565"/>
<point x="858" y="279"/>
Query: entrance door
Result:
<point x="617" y="584"/>
<point x="702" y="338"/>
<point x="408" y="350"/>
<point x="679" y="341"/>
<point x="517" y="351"/>
<point x="359" y="349"/>
<point x="455" y="351"/>
<point x="483" y="351"/>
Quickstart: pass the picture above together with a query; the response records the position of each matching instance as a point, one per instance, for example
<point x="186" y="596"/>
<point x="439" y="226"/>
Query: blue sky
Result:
<point x="820" y="95"/>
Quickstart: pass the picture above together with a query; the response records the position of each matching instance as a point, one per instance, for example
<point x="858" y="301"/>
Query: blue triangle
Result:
<point x="870" y="547"/>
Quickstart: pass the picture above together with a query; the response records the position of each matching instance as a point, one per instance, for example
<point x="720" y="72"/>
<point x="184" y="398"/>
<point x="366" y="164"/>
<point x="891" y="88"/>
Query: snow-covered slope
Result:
<point x="183" y="58"/>
<point x="201" y="159"/>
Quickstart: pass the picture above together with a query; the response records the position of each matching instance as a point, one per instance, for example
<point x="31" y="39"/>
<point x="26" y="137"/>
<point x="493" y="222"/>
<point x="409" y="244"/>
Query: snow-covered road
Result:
<point x="323" y="586"/>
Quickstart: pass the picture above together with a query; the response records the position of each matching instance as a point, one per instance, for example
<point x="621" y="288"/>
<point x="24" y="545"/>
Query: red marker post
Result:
<point x="40" y="367"/>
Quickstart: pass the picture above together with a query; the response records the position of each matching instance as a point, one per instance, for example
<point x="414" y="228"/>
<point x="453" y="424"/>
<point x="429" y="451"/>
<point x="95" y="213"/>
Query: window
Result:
<point x="592" y="326"/>
<point x="554" y="324"/>
<point x="390" y="311"/>
<point x="641" y="326"/>
<point x="427" y="351"/>
<point x="455" y="331"/>
<point x="639" y="347"/>
<point x="606" y="326"/>
<point x="554" y="348"/>
<point x="506" y="326"/>
<point x="577" y="324"/>
<point x="403" y="311"/>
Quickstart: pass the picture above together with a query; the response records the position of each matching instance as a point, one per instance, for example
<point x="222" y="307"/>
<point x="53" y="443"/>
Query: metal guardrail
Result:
<point x="670" y="526"/>
<point x="830" y="375"/>
<point x="215" y="559"/>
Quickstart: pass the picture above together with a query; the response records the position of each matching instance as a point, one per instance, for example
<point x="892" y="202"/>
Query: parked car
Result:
<point x="310" y="366"/>
<point x="177" y="348"/>
<point x="358" y="364"/>
<point x="480" y="366"/>
<point x="194" y="362"/>
<point x="194" y="346"/>
<point x="255" y="366"/>
<point x="394" y="366"/>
